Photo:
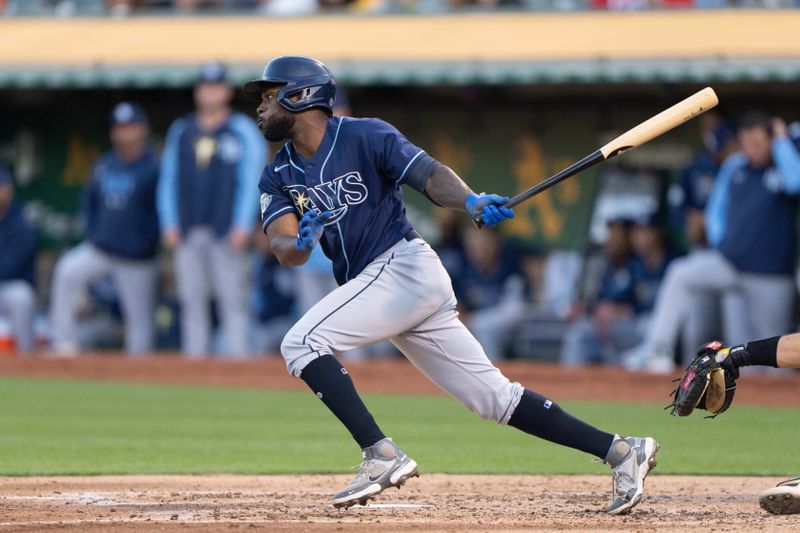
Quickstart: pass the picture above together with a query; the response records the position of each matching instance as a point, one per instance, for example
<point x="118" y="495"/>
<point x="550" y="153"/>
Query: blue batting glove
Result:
<point x="310" y="229"/>
<point x="490" y="209"/>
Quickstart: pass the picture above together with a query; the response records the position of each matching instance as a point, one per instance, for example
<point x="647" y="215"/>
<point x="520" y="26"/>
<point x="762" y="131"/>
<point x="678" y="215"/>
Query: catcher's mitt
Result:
<point x="706" y="384"/>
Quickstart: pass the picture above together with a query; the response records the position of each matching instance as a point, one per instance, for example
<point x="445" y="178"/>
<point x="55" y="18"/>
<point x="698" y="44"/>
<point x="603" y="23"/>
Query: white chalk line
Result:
<point x="83" y="497"/>
<point x="396" y="506"/>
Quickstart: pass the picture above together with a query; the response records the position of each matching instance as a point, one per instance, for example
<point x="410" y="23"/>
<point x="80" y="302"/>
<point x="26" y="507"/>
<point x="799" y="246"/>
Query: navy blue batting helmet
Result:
<point x="302" y="77"/>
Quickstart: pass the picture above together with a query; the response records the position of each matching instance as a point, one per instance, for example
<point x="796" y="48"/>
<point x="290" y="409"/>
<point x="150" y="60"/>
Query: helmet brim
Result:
<point x="253" y="89"/>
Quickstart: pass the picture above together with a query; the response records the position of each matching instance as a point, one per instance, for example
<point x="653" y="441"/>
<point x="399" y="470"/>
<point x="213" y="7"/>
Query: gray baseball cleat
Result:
<point x="384" y="465"/>
<point x="783" y="498"/>
<point x="631" y="459"/>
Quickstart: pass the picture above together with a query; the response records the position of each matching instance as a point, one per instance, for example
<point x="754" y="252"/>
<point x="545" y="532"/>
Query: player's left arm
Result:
<point x="786" y="157"/>
<point x="407" y="164"/>
<point x="447" y="189"/>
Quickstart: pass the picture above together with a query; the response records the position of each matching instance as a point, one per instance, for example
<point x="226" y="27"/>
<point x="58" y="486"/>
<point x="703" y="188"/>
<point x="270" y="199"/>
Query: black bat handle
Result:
<point x="588" y="161"/>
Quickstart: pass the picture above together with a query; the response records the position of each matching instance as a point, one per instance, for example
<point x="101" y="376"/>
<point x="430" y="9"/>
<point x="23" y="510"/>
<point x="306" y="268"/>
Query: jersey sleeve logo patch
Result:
<point x="336" y="196"/>
<point x="266" y="199"/>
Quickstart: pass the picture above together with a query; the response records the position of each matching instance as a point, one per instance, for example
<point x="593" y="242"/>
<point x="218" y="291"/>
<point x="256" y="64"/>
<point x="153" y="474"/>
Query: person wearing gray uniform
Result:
<point x="121" y="237"/>
<point x="751" y="221"/>
<point x="337" y="183"/>
<point x="209" y="170"/>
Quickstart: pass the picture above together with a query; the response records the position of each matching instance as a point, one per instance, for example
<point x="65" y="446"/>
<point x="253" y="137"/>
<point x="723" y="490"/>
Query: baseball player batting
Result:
<point x="710" y="383"/>
<point x="338" y="182"/>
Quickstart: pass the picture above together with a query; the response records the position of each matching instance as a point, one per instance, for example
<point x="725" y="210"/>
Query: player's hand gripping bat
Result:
<point x="683" y="111"/>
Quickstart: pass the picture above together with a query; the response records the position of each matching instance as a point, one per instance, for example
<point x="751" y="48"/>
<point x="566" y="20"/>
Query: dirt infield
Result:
<point x="430" y="503"/>
<point x="391" y="376"/>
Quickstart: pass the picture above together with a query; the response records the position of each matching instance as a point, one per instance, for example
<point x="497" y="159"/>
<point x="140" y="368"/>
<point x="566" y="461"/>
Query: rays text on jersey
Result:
<point x="335" y="196"/>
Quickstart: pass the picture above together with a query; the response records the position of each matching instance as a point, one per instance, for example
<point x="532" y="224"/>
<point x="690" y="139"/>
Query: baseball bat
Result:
<point x="683" y="111"/>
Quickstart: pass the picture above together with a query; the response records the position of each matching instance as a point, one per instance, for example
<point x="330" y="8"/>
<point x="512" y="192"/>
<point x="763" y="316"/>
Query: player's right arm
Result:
<point x="289" y="239"/>
<point x="282" y="236"/>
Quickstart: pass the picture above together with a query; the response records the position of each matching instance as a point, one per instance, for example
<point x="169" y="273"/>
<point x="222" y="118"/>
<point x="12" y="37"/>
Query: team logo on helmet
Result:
<point x="336" y="196"/>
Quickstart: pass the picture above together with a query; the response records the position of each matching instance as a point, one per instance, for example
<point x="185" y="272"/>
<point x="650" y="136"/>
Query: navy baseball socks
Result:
<point x="543" y="418"/>
<point x="332" y="384"/>
<point x="383" y="464"/>
<point x="630" y="458"/>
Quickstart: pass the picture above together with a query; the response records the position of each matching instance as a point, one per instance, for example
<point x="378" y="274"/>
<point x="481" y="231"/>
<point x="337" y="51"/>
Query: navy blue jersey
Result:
<point x="120" y="205"/>
<point x="477" y="290"/>
<point x="617" y="284"/>
<point x="208" y="177"/>
<point x="275" y="290"/>
<point x="356" y="173"/>
<point x="697" y="181"/>
<point x="18" y="243"/>
<point x="751" y="217"/>
<point x="646" y="281"/>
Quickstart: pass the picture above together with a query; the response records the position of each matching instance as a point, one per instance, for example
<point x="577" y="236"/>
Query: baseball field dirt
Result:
<point x="434" y="502"/>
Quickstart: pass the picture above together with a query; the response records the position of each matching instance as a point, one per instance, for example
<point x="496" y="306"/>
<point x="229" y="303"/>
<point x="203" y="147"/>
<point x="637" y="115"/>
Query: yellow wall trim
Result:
<point x="252" y="40"/>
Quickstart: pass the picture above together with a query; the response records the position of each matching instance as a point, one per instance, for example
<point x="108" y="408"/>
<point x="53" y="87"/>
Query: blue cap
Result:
<point x="214" y="72"/>
<point x="5" y="176"/>
<point x="718" y="138"/>
<point x="127" y="113"/>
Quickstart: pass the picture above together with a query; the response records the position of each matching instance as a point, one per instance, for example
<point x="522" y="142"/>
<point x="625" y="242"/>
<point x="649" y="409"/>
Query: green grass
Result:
<point x="50" y="427"/>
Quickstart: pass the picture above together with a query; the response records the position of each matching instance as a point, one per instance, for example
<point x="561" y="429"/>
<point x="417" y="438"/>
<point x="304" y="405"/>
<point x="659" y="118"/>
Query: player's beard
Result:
<point x="278" y="128"/>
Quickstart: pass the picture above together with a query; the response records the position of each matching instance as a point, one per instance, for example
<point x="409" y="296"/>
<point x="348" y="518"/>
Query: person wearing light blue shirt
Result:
<point x="210" y="168"/>
<point x="751" y="222"/>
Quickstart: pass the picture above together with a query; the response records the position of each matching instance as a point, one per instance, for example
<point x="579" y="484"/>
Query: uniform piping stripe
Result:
<point x="322" y="180"/>
<point x="346" y="259"/>
<point x="403" y="175"/>
<point x="289" y="154"/>
<point x="356" y="295"/>
<point x="269" y="218"/>
<point x="335" y="137"/>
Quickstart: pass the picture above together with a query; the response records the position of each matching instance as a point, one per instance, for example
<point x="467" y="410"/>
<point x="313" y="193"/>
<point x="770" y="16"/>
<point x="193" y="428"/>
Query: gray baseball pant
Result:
<point x="18" y="303"/>
<point x="136" y="285"/>
<point x="206" y="266"/>
<point x="753" y="305"/>
<point x="406" y="296"/>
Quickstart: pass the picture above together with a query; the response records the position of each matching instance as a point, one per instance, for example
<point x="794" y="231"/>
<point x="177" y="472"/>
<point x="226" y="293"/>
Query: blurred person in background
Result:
<point x="610" y="324"/>
<point x="651" y="257"/>
<point x="121" y="236"/>
<point x="751" y="220"/>
<point x="211" y="164"/>
<point x="649" y="265"/>
<point x="18" y="247"/>
<point x="697" y="177"/>
<point x="273" y="299"/>
<point x="696" y="183"/>
<point x="490" y="289"/>
<point x="450" y="247"/>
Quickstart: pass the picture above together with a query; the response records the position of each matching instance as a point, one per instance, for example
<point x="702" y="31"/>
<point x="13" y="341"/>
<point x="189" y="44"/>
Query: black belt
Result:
<point x="411" y="235"/>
